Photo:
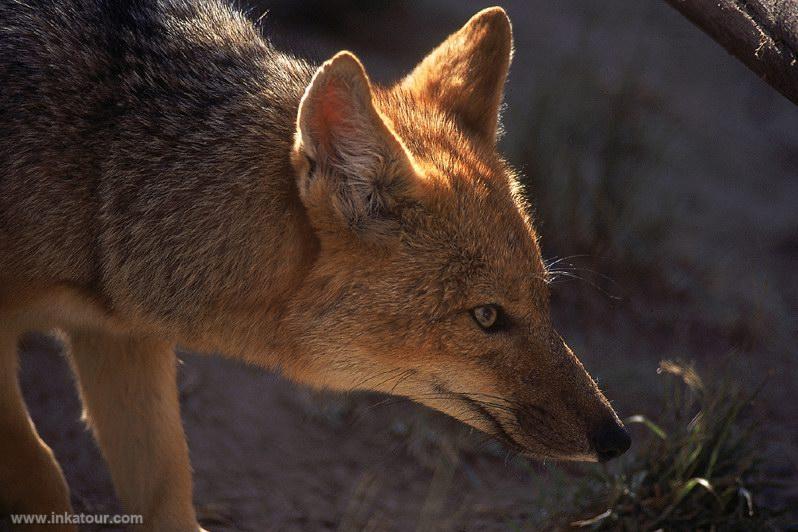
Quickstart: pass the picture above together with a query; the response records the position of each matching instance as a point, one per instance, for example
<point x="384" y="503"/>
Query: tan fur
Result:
<point x="297" y="218"/>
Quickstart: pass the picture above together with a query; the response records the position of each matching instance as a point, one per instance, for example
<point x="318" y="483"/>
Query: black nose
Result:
<point x="610" y="440"/>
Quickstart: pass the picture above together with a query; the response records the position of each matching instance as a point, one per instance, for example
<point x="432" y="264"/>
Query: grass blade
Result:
<point x="656" y="429"/>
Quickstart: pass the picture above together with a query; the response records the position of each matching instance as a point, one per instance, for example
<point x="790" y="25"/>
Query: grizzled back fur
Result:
<point x="124" y="118"/>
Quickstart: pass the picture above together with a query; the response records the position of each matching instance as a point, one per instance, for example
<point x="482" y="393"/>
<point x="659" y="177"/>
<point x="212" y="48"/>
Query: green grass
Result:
<point x="697" y="467"/>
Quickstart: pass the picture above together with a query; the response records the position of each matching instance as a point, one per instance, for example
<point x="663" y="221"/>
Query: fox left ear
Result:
<point x="466" y="73"/>
<point x="352" y="168"/>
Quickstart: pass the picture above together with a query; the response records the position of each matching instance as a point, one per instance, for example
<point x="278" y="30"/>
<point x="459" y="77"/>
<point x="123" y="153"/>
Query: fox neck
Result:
<point x="275" y="255"/>
<point x="243" y="233"/>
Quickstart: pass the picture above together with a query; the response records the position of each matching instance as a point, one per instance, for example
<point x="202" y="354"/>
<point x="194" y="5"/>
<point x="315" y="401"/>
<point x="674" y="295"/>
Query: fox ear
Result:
<point x="466" y="73"/>
<point x="351" y="167"/>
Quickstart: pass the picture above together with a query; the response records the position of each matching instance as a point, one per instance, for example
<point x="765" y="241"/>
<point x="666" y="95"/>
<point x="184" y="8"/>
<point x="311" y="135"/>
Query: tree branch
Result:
<point x="763" y="34"/>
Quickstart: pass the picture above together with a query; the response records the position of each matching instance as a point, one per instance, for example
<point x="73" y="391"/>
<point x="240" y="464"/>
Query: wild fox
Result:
<point x="168" y="177"/>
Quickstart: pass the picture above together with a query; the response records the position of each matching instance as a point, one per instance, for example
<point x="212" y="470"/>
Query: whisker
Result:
<point x="374" y="376"/>
<point x="588" y="282"/>
<point x="589" y="270"/>
<point x="403" y="377"/>
<point x="562" y="259"/>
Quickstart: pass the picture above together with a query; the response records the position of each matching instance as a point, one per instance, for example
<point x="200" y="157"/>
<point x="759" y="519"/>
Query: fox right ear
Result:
<point x="351" y="167"/>
<point x="466" y="73"/>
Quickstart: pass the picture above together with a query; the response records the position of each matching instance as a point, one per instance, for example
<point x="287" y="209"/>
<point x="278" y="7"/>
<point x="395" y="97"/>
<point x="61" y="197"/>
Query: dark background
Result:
<point x="662" y="167"/>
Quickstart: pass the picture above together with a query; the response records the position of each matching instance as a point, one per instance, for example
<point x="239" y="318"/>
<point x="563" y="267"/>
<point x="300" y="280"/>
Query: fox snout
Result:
<point x="558" y="434"/>
<point x="609" y="439"/>
<point x="558" y="411"/>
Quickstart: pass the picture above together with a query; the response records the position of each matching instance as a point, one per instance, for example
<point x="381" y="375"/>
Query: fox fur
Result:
<point x="167" y="177"/>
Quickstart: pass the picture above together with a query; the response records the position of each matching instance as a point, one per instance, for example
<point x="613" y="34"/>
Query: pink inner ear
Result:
<point x="330" y="118"/>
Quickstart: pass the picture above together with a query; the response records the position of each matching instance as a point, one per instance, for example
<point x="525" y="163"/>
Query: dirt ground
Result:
<point x="269" y="455"/>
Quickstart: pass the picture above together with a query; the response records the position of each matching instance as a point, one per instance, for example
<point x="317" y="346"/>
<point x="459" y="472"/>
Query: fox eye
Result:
<point x="486" y="316"/>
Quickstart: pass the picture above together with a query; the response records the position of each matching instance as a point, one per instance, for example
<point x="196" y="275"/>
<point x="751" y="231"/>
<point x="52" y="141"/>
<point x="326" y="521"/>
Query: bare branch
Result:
<point x="763" y="34"/>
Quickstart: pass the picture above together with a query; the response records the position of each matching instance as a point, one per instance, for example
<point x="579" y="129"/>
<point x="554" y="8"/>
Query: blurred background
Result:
<point x="664" y="178"/>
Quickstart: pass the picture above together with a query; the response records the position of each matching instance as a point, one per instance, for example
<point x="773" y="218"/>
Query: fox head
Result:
<point x="429" y="281"/>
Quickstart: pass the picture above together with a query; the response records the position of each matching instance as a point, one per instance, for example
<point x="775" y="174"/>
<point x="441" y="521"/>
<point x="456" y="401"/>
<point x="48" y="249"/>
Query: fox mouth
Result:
<point x="499" y="432"/>
<point x="498" y="429"/>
